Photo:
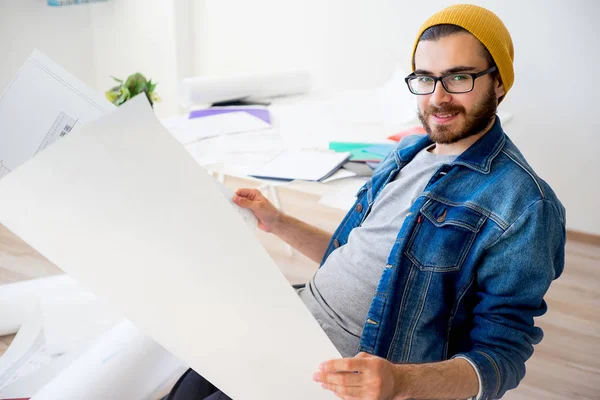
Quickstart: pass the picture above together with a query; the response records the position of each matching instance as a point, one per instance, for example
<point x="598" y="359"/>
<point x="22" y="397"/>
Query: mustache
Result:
<point x="450" y="109"/>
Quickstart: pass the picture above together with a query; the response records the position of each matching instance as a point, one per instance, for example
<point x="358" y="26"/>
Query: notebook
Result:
<point x="356" y="150"/>
<point x="307" y="165"/>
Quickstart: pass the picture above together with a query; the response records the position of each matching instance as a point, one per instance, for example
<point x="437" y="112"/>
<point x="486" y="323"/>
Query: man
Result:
<point x="430" y="284"/>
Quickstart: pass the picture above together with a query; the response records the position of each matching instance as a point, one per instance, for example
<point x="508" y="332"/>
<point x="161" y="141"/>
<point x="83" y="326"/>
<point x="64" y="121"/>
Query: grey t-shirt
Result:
<point x="340" y="293"/>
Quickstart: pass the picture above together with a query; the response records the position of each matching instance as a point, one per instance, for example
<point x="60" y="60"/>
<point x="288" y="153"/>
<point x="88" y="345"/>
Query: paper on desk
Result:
<point x="237" y="155"/>
<point x="63" y="320"/>
<point x="41" y="104"/>
<point x="339" y="174"/>
<point x="19" y="299"/>
<point x="27" y="365"/>
<point x="308" y="165"/>
<point x="123" y="364"/>
<point x="58" y="332"/>
<point x="26" y="352"/>
<point x="261" y="112"/>
<point x="189" y="130"/>
<point x="129" y="214"/>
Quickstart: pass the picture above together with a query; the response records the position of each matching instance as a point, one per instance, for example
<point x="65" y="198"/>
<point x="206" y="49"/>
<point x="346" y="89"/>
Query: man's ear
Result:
<point x="499" y="87"/>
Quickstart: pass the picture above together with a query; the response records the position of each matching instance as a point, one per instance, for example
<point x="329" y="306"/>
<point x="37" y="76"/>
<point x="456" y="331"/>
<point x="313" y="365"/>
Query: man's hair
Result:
<point x="438" y="32"/>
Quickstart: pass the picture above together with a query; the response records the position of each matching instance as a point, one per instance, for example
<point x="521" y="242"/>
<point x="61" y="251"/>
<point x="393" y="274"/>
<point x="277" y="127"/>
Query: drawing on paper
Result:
<point x="63" y="125"/>
<point x="4" y="170"/>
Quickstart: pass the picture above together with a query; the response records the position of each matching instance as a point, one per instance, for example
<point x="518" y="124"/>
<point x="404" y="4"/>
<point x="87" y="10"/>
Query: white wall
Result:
<point x="260" y="36"/>
<point x="354" y="44"/>
<point x="346" y="44"/>
<point x="139" y="36"/>
<point x="65" y="33"/>
<point x="555" y="113"/>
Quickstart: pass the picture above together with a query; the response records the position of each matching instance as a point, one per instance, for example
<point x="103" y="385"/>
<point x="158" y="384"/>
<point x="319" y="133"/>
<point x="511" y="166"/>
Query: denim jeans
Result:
<point x="192" y="386"/>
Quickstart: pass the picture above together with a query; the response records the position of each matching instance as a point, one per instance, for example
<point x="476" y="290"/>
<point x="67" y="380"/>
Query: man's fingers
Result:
<point x="339" y="378"/>
<point x="344" y="392"/>
<point x="343" y="365"/>
<point x="251" y="194"/>
<point x="244" y="202"/>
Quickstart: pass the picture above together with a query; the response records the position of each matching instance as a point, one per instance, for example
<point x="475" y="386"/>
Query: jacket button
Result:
<point x="442" y="217"/>
<point x="359" y="208"/>
<point x="336" y="243"/>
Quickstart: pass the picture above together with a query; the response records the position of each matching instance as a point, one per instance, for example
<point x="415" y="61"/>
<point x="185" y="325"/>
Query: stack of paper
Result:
<point x="197" y="127"/>
<point x="308" y="165"/>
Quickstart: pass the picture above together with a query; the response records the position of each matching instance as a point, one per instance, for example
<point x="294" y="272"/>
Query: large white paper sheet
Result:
<point x="131" y="216"/>
<point x="42" y="104"/>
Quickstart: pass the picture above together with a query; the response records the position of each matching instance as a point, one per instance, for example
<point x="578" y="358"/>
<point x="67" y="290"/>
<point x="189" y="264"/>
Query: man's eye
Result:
<point x="425" y="79"/>
<point x="459" y="78"/>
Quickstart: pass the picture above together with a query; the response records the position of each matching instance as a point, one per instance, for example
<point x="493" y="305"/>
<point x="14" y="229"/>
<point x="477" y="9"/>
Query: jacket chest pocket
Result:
<point x="443" y="236"/>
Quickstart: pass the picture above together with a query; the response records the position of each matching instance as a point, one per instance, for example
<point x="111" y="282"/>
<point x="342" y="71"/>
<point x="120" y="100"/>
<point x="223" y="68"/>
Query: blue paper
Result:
<point x="380" y="149"/>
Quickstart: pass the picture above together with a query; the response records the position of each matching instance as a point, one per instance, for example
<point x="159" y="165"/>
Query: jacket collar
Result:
<point x="478" y="157"/>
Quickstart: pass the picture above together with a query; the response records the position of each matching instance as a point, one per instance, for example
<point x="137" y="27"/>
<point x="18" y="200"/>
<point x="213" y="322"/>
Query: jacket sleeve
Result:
<point x="512" y="279"/>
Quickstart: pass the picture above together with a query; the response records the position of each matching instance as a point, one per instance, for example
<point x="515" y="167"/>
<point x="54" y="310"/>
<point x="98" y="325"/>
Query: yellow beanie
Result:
<point x="485" y="26"/>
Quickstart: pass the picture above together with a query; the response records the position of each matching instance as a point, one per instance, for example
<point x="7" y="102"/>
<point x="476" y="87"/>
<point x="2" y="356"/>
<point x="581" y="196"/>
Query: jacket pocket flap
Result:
<point x="441" y="214"/>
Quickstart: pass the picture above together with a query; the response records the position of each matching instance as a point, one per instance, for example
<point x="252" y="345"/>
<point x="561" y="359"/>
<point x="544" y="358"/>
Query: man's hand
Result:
<point x="268" y="216"/>
<point x="362" y="377"/>
<point x="309" y="240"/>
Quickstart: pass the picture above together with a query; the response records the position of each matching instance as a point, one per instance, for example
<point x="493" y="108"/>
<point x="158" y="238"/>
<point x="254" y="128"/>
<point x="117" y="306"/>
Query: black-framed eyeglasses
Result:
<point x="462" y="82"/>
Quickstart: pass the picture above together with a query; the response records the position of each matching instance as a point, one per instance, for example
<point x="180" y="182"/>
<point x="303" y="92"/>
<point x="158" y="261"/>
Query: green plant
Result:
<point x="134" y="85"/>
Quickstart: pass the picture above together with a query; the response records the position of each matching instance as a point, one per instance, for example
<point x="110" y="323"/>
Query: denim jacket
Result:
<point x="471" y="264"/>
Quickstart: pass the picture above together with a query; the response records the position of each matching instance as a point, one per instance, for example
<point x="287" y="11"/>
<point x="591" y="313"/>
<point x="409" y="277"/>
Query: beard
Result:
<point x="474" y="122"/>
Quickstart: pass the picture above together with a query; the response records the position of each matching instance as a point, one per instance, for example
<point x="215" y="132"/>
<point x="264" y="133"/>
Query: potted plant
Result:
<point x="134" y="85"/>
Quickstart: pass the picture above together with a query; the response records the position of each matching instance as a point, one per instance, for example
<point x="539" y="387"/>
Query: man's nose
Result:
<point x="439" y="95"/>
